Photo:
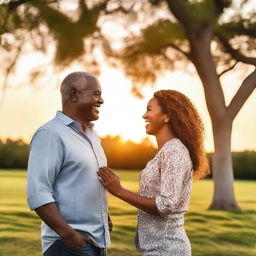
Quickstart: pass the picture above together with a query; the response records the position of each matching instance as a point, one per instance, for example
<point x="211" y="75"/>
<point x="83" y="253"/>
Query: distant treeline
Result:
<point x="121" y="155"/>
<point x="13" y="154"/>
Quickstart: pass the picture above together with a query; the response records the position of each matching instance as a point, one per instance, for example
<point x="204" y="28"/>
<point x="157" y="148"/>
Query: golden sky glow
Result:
<point x="26" y="108"/>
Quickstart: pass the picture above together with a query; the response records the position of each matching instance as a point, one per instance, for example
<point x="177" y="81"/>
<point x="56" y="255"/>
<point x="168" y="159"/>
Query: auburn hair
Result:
<point x="186" y="125"/>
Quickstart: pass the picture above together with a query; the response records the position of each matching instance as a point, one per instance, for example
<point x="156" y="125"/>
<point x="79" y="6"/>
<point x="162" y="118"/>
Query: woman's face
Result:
<point x="154" y="117"/>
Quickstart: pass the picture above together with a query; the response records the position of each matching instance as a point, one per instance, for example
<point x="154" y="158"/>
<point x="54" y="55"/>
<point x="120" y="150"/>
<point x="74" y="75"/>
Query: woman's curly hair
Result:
<point x="186" y="125"/>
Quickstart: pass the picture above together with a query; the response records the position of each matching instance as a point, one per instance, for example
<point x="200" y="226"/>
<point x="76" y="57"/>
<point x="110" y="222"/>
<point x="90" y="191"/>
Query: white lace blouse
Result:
<point x="168" y="179"/>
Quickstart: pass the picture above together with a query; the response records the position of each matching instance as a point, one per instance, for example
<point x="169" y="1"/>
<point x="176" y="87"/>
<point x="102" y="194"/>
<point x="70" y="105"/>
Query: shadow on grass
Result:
<point x="209" y="215"/>
<point x="9" y="247"/>
<point x="245" y="238"/>
<point x="123" y="252"/>
<point x="233" y="230"/>
<point x="123" y="232"/>
<point x="115" y="211"/>
<point x="18" y="221"/>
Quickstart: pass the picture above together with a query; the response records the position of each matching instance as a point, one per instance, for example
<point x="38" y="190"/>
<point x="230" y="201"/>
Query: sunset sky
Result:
<point x="27" y="107"/>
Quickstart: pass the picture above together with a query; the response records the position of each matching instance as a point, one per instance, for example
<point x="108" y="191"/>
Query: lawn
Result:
<point x="212" y="233"/>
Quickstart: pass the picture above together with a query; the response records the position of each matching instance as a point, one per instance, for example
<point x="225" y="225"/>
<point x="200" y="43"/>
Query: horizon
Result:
<point x="26" y="108"/>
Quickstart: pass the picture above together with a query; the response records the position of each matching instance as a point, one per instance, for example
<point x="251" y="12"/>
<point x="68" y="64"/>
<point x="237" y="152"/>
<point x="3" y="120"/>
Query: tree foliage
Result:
<point x="46" y="26"/>
<point x="147" y="53"/>
<point x="13" y="154"/>
<point x="68" y="31"/>
<point x="161" y="44"/>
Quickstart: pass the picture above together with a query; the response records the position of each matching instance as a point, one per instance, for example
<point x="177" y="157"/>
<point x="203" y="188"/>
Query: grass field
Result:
<point x="212" y="233"/>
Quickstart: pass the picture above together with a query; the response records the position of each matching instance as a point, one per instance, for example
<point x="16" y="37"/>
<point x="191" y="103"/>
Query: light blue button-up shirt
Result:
<point x="62" y="168"/>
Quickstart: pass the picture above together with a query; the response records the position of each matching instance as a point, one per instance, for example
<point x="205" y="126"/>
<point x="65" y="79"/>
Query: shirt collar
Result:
<point x="67" y="120"/>
<point x="64" y="118"/>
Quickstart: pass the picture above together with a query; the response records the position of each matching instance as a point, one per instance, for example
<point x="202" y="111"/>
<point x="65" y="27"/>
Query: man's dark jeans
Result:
<point x="59" y="249"/>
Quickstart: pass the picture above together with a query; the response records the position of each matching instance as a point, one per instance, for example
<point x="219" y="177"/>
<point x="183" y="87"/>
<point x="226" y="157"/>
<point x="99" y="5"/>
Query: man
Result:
<point x="63" y="187"/>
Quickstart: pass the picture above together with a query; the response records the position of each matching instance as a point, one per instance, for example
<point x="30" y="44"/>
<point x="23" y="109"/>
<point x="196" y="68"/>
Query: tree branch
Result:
<point x="9" y="69"/>
<point x="236" y="54"/>
<point x="119" y="9"/>
<point x="179" y="10"/>
<point x="3" y="28"/>
<point x="156" y="2"/>
<point x="186" y="54"/>
<point x="245" y="90"/>
<point x="14" y="4"/>
<point x="228" y="69"/>
<point x="221" y="5"/>
<point x="240" y="27"/>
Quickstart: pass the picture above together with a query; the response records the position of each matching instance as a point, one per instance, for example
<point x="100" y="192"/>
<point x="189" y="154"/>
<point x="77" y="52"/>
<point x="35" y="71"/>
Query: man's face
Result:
<point x="89" y="100"/>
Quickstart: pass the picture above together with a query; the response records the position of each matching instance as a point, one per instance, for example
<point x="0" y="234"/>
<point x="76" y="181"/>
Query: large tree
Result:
<point x="206" y="34"/>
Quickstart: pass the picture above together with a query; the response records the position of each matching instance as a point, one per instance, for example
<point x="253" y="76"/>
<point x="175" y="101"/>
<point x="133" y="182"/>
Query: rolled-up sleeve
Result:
<point x="45" y="161"/>
<point x="172" y="170"/>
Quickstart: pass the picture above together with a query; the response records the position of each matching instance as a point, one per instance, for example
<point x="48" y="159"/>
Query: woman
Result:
<point x="165" y="183"/>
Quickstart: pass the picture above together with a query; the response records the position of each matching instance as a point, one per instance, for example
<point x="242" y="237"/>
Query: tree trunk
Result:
<point x="224" y="197"/>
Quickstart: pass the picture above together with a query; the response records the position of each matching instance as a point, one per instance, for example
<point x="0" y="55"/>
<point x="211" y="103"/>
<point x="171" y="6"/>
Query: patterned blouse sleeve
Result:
<point x="173" y="171"/>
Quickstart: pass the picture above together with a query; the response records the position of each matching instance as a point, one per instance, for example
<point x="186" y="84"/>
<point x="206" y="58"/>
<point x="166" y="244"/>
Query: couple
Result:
<point x="68" y="177"/>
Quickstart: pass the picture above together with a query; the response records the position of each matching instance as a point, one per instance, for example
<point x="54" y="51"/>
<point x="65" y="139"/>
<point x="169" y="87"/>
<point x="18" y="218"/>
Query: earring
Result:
<point x="166" y="121"/>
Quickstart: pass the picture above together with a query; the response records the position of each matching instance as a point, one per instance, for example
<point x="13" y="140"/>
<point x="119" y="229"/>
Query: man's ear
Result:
<point x="73" y="95"/>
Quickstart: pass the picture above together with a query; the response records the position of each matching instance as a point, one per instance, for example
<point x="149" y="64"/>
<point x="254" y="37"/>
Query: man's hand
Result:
<point x="75" y="239"/>
<point x="110" y="223"/>
<point x="50" y="214"/>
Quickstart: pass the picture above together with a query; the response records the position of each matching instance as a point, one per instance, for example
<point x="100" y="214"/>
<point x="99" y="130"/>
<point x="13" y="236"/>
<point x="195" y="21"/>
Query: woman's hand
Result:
<point x="110" y="180"/>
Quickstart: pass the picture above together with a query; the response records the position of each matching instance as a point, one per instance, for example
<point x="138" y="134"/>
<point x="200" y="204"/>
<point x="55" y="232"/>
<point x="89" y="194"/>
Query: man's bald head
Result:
<point x="75" y="80"/>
